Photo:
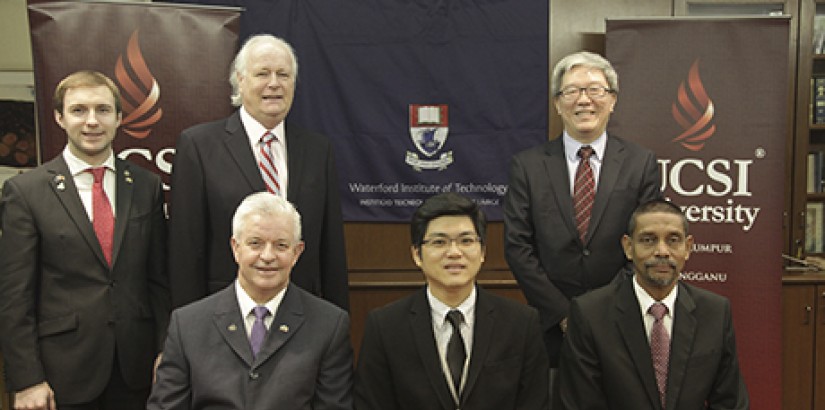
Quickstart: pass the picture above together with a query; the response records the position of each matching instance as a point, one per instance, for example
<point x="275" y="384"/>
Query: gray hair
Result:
<point x="265" y="204"/>
<point x="584" y="59"/>
<point x="240" y="61"/>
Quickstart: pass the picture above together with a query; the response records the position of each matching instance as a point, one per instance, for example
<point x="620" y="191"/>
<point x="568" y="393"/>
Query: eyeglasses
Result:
<point x="573" y="93"/>
<point x="464" y="243"/>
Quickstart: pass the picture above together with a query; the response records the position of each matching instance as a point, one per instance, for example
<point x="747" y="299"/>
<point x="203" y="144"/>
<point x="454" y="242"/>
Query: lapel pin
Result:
<point x="128" y="176"/>
<point x="232" y="327"/>
<point x="284" y="328"/>
<point x="59" y="181"/>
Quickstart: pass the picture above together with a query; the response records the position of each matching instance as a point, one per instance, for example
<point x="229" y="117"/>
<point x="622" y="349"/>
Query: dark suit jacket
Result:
<point x="399" y="366"/>
<point x="606" y="361"/>
<point x="214" y="170"/>
<point x="63" y="310"/>
<point x="542" y="245"/>
<point x="305" y="362"/>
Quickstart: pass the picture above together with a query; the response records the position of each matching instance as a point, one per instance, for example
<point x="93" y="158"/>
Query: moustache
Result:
<point x="660" y="262"/>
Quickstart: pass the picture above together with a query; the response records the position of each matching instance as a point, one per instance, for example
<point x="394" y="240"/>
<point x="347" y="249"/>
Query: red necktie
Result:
<point x="584" y="189"/>
<point x="267" y="164"/>
<point x="659" y="348"/>
<point x="103" y="219"/>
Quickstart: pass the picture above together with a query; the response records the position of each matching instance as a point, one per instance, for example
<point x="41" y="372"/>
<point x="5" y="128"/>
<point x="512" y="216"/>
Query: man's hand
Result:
<point x="37" y="397"/>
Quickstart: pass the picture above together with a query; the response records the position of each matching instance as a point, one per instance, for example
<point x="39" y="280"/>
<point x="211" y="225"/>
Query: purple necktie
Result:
<point x="584" y="189"/>
<point x="660" y="348"/>
<point x="256" y="338"/>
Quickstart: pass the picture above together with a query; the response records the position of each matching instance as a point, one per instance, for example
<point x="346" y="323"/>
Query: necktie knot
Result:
<point x="260" y="312"/>
<point x="585" y="152"/>
<point x="658" y="310"/>
<point x="455" y="318"/>
<point x="97" y="173"/>
<point x="267" y="138"/>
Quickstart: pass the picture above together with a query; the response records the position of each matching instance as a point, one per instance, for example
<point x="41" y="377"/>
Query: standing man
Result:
<point x="570" y="198"/>
<point x="649" y="341"/>
<point x="218" y="164"/>
<point x="84" y="298"/>
<point x="260" y="343"/>
<point x="451" y="345"/>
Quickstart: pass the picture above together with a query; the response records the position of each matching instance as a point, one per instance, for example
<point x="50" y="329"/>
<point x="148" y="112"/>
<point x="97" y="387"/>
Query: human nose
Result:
<point x="274" y="80"/>
<point x="662" y="248"/>
<point x="583" y="93"/>
<point x="91" y="118"/>
<point x="268" y="253"/>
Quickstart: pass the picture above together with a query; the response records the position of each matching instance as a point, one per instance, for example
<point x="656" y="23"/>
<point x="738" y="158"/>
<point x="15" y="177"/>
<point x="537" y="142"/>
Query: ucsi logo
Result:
<point x="693" y="111"/>
<point x="140" y="93"/>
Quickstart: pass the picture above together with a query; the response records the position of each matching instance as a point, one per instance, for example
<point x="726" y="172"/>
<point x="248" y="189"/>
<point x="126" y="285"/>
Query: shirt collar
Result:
<point x="78" y="166"/>
<point x="439" y="309"/>
<point x="571" y="147"/>
<point x="645" y="300"/>
<point x="254" y="129"/>
<point x="247" y="304"/>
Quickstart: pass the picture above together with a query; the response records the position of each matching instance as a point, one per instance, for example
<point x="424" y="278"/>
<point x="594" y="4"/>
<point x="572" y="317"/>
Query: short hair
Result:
<point x="241" y="60"/>
<point x="656" y="205"/>
<point x="445" y="204"/>
<point x="265" y="204"/>
<point x="84" y="78"/>
<point x="584" y="59"/>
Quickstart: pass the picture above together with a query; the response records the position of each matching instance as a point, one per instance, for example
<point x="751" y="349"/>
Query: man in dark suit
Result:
<point x="620" y="354"/>
<point x="555" y="249"/>
<point x="218" y="164"/>
<point x="84" y="298"/>
<point x="451" y="345"/>
<point x="260" y="343"/>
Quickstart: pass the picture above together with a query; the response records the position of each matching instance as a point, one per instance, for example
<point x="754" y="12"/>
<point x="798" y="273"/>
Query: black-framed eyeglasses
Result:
<point x="593" y="91"/>
<point x="464" y="242"/>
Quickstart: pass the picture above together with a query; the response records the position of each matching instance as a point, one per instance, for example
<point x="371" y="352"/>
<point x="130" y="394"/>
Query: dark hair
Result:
<point x="656" y="205"/>
<point x="445" y="204"/>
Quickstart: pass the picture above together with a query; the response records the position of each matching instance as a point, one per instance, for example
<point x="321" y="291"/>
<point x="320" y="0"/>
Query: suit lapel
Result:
<point x="681" y="344"/>
<point x="424" y="338"/>
<point x="630" y="325"/>
<point x="288" y="320"/>
<point x="485" y="322"/>
<point x="229" y="321"/>
<point x="555" y="166"/>
<point x="124" y="185"/>
<point x="64" y="188"/>
<point x="614" y="157"/>
<point x="295" y="153"/>
<point x="237" y="144"/>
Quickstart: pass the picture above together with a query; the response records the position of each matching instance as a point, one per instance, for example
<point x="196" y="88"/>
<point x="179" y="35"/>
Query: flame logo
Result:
<point x="694" y="112"/>
<point x="139" y="91"/>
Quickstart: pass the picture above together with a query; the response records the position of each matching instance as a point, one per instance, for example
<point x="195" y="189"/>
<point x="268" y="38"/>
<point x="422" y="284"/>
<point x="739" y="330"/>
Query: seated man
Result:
<point x="648" y="341"/>
<point x="261" y="342"/>
<point x="452" y="344"/>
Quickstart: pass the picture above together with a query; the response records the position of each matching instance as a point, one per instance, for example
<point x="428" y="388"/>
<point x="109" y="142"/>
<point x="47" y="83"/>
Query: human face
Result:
<point x="267" y="85"/>
<point x="90" y="120"/>
<point x="266" y="251"/>
<point x="450" y="272"/>
<point x="658" y="250"/>
<point x="585" y="118"/>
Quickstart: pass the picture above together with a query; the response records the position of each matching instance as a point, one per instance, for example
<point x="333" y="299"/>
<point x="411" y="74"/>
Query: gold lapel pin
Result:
<point x="284" y="328"/>
<point x="59" y="179"/>
<point x="128" y="176"/>
<point x="232" y="327"/>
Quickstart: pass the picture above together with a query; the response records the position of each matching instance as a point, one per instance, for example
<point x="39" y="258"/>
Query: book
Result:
<point x="814" y="228"/>
<point x="819" y="100"/>
<point x="816" y="161"/>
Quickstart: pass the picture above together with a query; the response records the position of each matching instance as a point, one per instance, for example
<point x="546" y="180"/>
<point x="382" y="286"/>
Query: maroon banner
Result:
<point x="709" y="96"/>
<point x="170" y="62"/>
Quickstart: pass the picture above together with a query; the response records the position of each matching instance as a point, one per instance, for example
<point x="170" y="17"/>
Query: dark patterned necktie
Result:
<point x="456" y="355"/>
<point x="103" y="220"/>
<point x="584" y="189"/>
<point x="660" y="348"/>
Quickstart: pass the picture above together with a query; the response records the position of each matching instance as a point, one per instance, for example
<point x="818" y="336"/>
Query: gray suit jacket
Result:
<point x="399" y="367"/>
<point x="606" y="361"/>
<point x="305" y="362"/>
<point x="542" y="245"/>
<point x="214" y="170"/>
<point x="63" y="311"/>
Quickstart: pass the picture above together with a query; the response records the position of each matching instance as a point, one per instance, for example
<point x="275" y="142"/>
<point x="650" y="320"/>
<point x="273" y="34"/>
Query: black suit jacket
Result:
<point x="542" y="245"/>
<point x="606" y="361"/>
<point x="63" y="311"/>
<point x="399" y="367"/>
<point x="305" y="362"/>
<point x="214" y="170"/>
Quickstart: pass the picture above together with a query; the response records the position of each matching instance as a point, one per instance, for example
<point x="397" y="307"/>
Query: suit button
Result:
<point x="112" y="284"/>
<point x="586" y="252"/>
<point x="253" y="375"/>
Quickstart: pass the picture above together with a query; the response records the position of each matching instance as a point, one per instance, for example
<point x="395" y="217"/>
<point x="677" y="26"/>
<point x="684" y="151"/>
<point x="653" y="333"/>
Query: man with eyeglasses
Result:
<point x="451" y="345"/>
<point x="570" y="198"/>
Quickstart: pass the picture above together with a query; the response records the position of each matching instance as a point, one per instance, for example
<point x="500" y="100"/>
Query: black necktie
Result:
<point x="456" y="355"/>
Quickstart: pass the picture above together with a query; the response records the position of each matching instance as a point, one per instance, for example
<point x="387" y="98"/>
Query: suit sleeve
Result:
<point x="158" y="274"/>
<point x="373" y="380"/>
<point x="335" y="278"/>
<point x="729" y="391"/>
<point x="171" y="390"/>
<point x="580" y="375"/>
<point x="188" y="224"/>
<point x="19" y="281"/>
<point x="333" y="390"/>
<point x="520" y="249"/>
<point x="533" y="390"/>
